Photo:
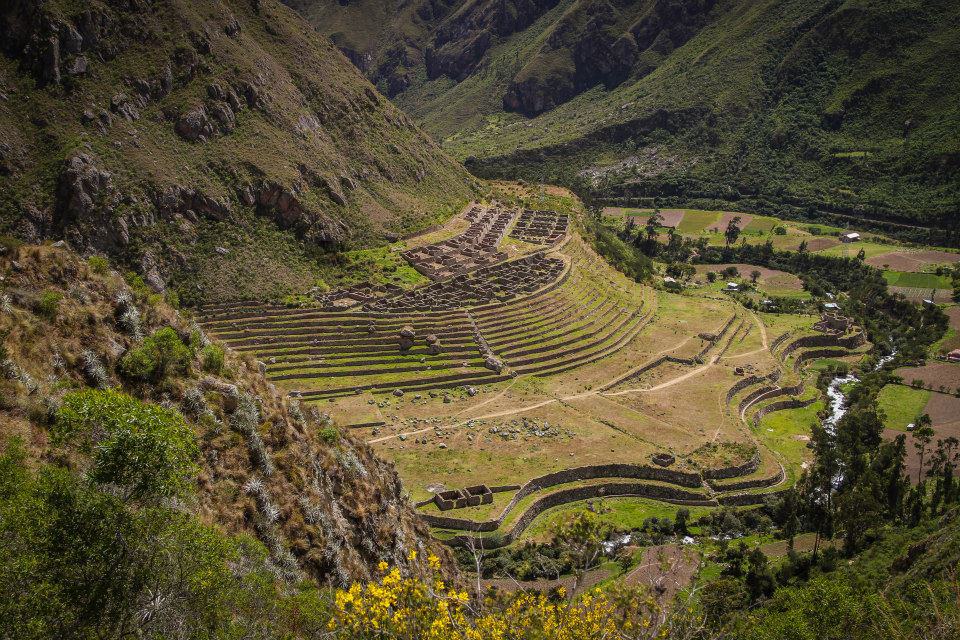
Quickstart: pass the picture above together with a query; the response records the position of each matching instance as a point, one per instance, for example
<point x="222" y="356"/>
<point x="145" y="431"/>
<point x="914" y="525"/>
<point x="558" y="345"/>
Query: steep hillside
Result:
<point x="321" y="502"/>
<point x="836" y="106"/>
<point x="218" y="146"/>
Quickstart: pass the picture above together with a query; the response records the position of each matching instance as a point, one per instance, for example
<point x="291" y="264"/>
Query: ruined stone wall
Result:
<point x="576" y="494"/>
<point x="753" y="483"/>
<point x="744" y="469"/>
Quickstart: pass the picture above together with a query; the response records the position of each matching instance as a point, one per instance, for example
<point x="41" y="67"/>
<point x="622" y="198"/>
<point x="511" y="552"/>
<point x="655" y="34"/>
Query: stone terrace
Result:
<point x="540" y="227"/>
<point x="497" y="283"/>
<point x="473" y="249"/>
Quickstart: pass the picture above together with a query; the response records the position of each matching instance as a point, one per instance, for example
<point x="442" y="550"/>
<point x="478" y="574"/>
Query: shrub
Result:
<point x="48" y="304"/>
<point x="93" y="370"/>
<point x="161" y="353"/>
<point x="780" y="230"/>
<point x="98" y="264"/>
<point x="330" y="435"/>
<point x="140" y="288"/>
<point x="212" y="358"/>
<point x="146" y="449"/>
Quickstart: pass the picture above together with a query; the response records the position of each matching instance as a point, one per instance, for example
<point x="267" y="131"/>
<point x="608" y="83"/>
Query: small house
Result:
<point x="669" y="280"/>
<point x="733" y="286"/>
<point x="850" y="237"/>
<point x="831" y="306"/>
<point x="954" y="356"/>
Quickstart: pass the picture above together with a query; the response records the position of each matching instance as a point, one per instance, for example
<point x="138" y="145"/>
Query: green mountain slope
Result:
<point x="842" y="106"/>
<point x="218" y="146"/>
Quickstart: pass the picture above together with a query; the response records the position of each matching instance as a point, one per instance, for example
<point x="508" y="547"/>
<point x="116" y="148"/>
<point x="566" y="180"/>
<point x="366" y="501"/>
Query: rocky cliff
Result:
<point x="323" y="504"/>
<point x="148" y="129"/>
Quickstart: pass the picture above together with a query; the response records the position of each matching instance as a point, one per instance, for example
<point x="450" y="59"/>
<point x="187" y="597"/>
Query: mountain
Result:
<point x="839" y="107"/>
<point x="220" y="147"/>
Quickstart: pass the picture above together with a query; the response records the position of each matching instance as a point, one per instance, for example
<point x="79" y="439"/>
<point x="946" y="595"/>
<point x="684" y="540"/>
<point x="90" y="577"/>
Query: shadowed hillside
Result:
<point x="800" y="106"/>
<point x="219" y="146"/>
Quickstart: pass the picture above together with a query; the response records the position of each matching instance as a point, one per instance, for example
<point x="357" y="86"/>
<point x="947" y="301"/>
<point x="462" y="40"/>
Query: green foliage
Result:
<point x="145" y="449"/>
<point x="98" y="264"/>
<point x="624" y="257"/>
<point x="161" y="353"/>
<point x="48" y="304"/>
<point x="139" y="286"/>
<point x="79" y="563"/>
<point x="330" y="435"/>
<point x="212" y="358"/>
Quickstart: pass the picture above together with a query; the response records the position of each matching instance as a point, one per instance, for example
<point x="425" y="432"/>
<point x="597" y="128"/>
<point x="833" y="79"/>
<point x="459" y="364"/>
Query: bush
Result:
<point x="330" y="435"/>
<point x="212" y="358"/>
<point x="98" y="264"/>
<point x="140" y="288"/>
<point x="48" y="304"/>
<point x="146" y="449"/>
<point x="161" y="353"/>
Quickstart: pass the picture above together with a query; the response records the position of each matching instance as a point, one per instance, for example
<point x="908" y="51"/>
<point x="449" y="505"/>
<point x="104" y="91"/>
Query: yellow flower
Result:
<point x="434" y="562"/>
<point x="412" y="555"/>
<point x="383" y="566"/>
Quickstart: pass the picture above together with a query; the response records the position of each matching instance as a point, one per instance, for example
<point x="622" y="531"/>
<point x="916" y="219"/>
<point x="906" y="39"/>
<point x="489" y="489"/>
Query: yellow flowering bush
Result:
<point x="395" y="606"/>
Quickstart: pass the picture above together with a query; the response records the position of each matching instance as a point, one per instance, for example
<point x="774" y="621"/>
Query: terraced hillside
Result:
<point x="543" y="312"/>
<point x="548" y="378"/>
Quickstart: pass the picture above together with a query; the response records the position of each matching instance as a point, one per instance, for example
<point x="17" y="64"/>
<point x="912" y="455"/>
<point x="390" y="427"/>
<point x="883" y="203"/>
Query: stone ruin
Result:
<point x="496" y="283"/>
<point x="407" y="336"/>
<point x="347" y="297"/>
<point x="833" y="323"/>
<point x="540" y="227"/>
<point x="663" y="459"/>
<point x="473" y="249"/>
<point x="460" y="498"/>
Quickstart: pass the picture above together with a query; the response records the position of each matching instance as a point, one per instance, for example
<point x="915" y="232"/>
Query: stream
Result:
<point x="837" y="399"/>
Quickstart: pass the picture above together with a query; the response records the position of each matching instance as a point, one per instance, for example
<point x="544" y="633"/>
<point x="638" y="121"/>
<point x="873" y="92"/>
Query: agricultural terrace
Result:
<point x="528" y="374"/>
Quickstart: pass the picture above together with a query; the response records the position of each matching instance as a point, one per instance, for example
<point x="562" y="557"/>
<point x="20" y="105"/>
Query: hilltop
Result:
<point x="800" y="108"/>
<point x="218" y="147"/>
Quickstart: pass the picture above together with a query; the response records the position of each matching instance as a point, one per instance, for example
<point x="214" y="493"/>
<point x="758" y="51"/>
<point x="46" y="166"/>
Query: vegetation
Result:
<point x="144" y="450"/>
<point x="161" y="353"/>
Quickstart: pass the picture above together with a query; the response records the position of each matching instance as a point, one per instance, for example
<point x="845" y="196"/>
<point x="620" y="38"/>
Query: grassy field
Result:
<point x="787" y="433"/>
<point x="622" y="513"/>
<point x="901" y="405"/>
<point x="916" y="279"/>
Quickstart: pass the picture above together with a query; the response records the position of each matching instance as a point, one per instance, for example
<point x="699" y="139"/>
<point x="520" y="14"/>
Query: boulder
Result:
<point x="195" y="125"/>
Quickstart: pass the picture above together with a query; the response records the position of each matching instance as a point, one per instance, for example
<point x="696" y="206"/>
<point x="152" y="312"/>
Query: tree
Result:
<point x="732" y="231"/>
<point x="77" y="562"/>
<point x="653" y="222"/>
<point x="759" y="579"/>
<point x="922" y="435"/>
<point x="161" y="353"/>
<point x="680" y="522"/>
<point x="754" y="276"/>
<point x="147" y="451"/>
<point x="803" y="247"/>
<point x="581" y="540"/>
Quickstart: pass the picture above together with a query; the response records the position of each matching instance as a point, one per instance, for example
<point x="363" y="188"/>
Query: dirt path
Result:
<point x="668" y="383"/>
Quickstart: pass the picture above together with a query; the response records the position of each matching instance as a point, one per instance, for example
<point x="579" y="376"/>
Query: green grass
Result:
<point x="917" y="280"/>
<point x="901" y="405"/>
<point x="624" y="513"/>
<point x="695" y="221"/>
<point x="780" y="432"/>
<point x="850" y="250"/>
<point x="761" y="224"/>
